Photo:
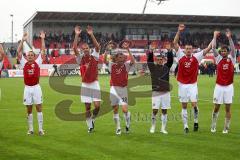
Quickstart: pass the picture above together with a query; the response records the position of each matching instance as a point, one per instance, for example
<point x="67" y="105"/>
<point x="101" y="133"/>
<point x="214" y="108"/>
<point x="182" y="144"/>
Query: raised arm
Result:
<point x="1" y="49"/>
<point x="20" y="46"/>
<point x="232" y="47"/>
<point x="206" y="50"/>
<point x="43" y="47"/>
<point x="126" y="46"/>
<point x="181" y="28"/>
<point x="214" y="43"/>
<point x="169" y="58"/>
<point x="150" y="60"/>
<point x="105" y="60"/>
<point x="95" y="43"/>
<point x="75" y="42"/>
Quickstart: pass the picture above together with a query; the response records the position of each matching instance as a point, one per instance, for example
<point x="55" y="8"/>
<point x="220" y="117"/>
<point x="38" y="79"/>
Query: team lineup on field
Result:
<point x="187" y="76"/>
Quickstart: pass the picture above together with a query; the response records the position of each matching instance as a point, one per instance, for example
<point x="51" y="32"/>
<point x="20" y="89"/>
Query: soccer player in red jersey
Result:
<point x="223" y="92"/>
<point x="4" y="64"/>
<point x="188" y="64"/>
<point x="90" y="89"/>
<point x="119" y="69"/>
<point x="32" y="90"/>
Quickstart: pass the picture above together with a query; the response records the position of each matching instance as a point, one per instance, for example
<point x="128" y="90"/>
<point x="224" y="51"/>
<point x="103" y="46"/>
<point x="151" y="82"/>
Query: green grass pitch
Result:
<point x="70" y="140"/>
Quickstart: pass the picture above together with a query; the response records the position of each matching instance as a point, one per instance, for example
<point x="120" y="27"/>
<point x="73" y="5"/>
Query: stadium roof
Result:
<point x="92" y="17"/>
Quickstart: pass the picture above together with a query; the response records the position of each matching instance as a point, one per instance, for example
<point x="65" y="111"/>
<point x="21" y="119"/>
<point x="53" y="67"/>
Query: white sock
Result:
<point x="40" y="120"/>
<point x="117" y="120"/>
<point x="164" y="121"/>
<point x="30" y="122"/>
<point x="89" y="122"/>
<point x="227" y="124"/>
<point x="214" y="119"/>
<point x="185" y="118"/>
<point x="153" y="120"/>
<point x="127" y="117"/>
<point x="195" y="111"/>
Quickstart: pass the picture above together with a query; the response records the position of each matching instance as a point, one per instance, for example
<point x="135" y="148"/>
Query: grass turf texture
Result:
<point x="70" y="140"/>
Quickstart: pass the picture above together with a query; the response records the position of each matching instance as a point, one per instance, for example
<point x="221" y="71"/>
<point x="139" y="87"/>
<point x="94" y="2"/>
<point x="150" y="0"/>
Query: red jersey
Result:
<point x="188" y="67"/>
<point x="119" y="74"/>
<point x="225" y="71"/>
<point x="31" y="73"/>
<point x="89" y="69"/>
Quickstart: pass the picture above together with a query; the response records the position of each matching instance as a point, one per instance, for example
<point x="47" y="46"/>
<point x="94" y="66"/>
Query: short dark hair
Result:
<point x="225" y="47"/>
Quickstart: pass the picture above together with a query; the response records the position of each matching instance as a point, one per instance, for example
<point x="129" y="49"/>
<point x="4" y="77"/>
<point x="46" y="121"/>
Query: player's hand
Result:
<point x="216" y="33"/>
<point x="89" y="30"/>
<point x="42" y="35"/>
<point x="228" y="33"/>
<point x="125" y="45"/>
<point x="25" y="37"/>
<point x="77" y="30"/>
<point x="181" y="27"/>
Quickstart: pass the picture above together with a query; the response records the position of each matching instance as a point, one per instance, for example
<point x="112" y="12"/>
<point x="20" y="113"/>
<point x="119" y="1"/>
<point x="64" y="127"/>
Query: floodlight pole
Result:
<point x="145" y="5"/>
<point x="12" y="29"/>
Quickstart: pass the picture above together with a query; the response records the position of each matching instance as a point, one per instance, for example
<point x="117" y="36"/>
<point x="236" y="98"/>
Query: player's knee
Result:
<point x="155" y="111"/>
<point x="115" y="109"/>
<point x="164" y="111"/>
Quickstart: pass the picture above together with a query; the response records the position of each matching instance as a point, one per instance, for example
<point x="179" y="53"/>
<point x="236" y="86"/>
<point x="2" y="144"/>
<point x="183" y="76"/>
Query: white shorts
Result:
<point x="187" y="92"/>
<point x="118" y="95"/>
<point x="223" y="94"/>
<point x="32" y="95"/>
<point x="160" y="99"/>
<point x="90" y="92"/>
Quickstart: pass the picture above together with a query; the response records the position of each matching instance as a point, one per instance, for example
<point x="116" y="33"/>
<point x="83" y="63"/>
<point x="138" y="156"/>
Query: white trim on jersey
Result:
<point x="219" y="58"/>
<point x="199" y="55"/>
<point x="127" y="64"/>
<point x="23" y="60"/>
<point x="80" y="56"/>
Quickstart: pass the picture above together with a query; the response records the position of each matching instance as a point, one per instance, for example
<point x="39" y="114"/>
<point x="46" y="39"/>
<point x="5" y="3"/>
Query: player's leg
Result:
<point x="28" y="102"/>
<point x="38" y="100"/>
<point x="40" y="119"/>
<point x="115" y="104"/>
<point x="166" y="101"/>
<point x="228" y="96"/>
<point x="88" y="117"/>
<point x="215" y="117"/>
<point x="218" y="97"/>
<point x="127" y="116"/>
<point x="96" y="98"/>
<point x="183" y="94"/>
<point x="116" y="119"/>
<point x="29" y="119"/>
<point x="193" y="91"/>
<point x="154" y="120"/>
<point x="227" y="118"/>
<point x="195" y="112"/>
<point x="96" y="109"/>
<point x="86" y="98"/>
<point x="155" y="108"/>
<point x="164" y="121"/>
<point x="185" y="117"/>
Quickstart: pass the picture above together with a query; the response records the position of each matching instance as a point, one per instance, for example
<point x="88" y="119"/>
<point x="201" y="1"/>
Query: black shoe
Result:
<point x="186" y="130"/>
<point x="90" y="130"/>
<point x="127" y="129"/>
<point x="195" y="127"/>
